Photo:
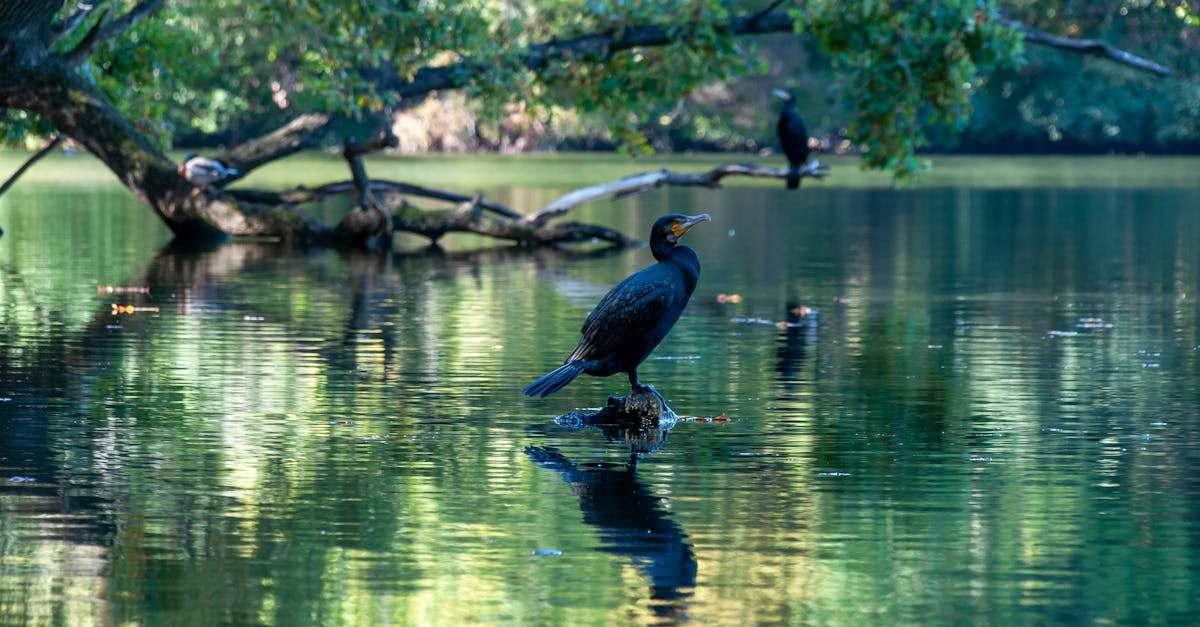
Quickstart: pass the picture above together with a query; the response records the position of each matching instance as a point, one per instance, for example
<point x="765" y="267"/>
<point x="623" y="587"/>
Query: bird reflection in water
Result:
<point x="799" y="336"/>
<point x="632" y="524"/>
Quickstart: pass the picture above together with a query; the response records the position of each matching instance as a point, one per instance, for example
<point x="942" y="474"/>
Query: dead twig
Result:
<point x="651" y="180"/>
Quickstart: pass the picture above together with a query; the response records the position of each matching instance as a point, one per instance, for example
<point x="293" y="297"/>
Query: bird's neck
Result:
<point x="682" y="256"/>
<point x="663" y="250"/>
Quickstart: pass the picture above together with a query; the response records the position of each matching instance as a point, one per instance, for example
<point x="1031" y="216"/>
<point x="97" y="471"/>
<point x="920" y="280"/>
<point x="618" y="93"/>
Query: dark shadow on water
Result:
<point x="798" y="337"/>
<point x="632" y="524"/>
<point x="631" y="520"/>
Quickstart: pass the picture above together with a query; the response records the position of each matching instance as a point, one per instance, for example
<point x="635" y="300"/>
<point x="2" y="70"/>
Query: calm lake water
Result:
<point x="990" y="416"/>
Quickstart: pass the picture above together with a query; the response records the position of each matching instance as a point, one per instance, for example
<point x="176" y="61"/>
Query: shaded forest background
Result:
<point x="1052" y="103"/>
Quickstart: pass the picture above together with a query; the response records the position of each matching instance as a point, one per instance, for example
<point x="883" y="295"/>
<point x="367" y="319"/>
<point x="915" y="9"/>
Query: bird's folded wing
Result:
<point x="624" y="313"/>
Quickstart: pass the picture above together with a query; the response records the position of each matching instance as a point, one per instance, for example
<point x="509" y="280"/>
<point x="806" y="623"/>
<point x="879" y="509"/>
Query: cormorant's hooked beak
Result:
<point x="782" y="95"/>
<point x="683" y="227"/>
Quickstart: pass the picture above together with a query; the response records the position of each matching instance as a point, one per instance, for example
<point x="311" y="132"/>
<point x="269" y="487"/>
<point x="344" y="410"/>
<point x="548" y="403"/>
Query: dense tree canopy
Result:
<point x="125" y="77"/>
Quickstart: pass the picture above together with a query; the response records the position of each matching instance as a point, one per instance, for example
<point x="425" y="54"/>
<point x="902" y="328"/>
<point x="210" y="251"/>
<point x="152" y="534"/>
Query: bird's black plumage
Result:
<point x="636" y="315"/>
<point x="793" y="138"/>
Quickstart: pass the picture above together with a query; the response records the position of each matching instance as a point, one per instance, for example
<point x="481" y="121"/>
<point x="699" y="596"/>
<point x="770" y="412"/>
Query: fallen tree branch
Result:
<point x="530" y="229"/>
<point x="651" y="180"/>
<point x="1089" y="46"/>
<point x="370" y="224"/>
<point x="467" y="218"/>
<point x="303" y="195"/>
<point x="375" y="217"/>
<point x="353" y="152"/>
<point x="302" y="133"/>
<point x="58" y="139"/>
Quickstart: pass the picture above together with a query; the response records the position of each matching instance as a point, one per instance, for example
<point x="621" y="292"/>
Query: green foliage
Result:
<point x="899" y="68"/>
<point x="18" y="128"/>
<point x="907" y="73"/>
<point x="1063" y="103"/>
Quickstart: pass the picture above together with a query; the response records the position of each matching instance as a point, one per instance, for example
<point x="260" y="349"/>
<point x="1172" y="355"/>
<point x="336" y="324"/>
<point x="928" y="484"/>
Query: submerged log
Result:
<point x="641" y="419"/>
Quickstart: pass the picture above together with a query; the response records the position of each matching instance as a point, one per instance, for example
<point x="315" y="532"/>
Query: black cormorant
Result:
<point x="793" y="137"/>
<point x="636" y="315"/>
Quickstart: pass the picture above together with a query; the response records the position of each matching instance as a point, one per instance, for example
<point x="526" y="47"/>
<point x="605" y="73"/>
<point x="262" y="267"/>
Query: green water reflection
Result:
<point x="991" y="419"/>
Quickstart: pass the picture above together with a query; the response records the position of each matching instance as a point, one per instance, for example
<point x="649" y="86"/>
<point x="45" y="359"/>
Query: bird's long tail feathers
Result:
<point x="554" y="380"/>
<point x="793" y="177"/>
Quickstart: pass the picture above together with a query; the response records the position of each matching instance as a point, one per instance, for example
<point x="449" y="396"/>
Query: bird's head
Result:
<point x="672" y="227"/>
<point x="783" y="95"/>
<point x="189" y="156"/>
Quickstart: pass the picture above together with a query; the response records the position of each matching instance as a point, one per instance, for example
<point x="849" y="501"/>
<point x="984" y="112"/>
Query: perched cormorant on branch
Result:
<point x="793" y="137"/>
<point x="636" y="314"/>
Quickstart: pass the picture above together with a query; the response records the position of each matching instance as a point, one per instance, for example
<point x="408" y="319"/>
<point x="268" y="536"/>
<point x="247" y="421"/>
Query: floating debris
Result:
<point x="722" y="419"/>
<point x="253" y="318"/>
<point x="934" y="346"/>
<point x="1093" y="323"/>
<point x="833" y="474"/>
<point x="742" y="320"/>
<point x="979" y="459"/>
<point x="781" y="324"/>
<point x="1054" y="333"/>
<point x="545" y="552"/>
<point x="1150" y="357"/>
<point x="115" y="289"/>
<point x="341" y="422"/>
<point x="19" y="479"/>
<point x="131" y="309"/>
<point x="803" y="311"/>
<point x="729" y="298"/>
